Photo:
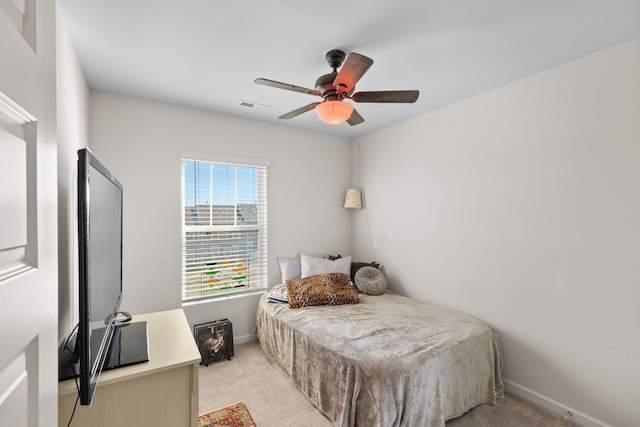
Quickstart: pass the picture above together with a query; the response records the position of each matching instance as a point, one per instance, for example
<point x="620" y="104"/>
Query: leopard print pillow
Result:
<point x="332" y="288"/>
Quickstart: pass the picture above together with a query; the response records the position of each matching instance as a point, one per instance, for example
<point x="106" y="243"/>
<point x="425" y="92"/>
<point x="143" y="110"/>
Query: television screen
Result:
<point x="102" y="341"/>
<point x="100" y="266"/>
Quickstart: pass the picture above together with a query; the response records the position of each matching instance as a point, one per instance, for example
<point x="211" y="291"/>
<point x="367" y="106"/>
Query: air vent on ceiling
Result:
<point x="255" y="105"/>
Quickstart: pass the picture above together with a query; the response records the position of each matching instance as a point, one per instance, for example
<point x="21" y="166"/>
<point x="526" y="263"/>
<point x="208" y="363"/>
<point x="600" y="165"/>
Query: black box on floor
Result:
<point x="215" y="340"/>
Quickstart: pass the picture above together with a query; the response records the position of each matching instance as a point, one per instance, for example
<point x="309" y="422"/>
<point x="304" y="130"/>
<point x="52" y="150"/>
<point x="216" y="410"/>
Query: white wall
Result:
<point x="141" y="141"/>
<point x="521" y="206"/>
<point x="73" y="132"/>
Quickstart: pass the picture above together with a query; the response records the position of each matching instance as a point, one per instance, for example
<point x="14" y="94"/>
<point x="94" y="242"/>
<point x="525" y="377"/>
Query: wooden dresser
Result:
<point x="162" y="391"/>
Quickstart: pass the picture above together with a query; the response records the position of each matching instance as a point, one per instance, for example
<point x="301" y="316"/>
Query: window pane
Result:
<point x="202" y="181"/>
<point x="218" y="261"/>
<point x="189" y="193"/>
<point x="247" y="195"/>
<point x="223" y="199"/>
<point x="224" y="228"/>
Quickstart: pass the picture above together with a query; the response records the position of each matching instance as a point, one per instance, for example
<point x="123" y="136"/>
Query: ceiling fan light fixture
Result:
<point x="334" y="112"/>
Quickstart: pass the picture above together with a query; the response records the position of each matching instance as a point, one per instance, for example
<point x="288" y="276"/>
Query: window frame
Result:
<point x="261" y="227"/>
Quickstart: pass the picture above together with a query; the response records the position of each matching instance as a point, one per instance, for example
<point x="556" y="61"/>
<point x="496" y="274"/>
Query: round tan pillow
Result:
<point x="371" y="281"/>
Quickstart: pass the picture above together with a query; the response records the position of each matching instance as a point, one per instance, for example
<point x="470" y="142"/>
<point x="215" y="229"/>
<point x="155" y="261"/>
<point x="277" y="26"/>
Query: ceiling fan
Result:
<point x="336" y="86"/>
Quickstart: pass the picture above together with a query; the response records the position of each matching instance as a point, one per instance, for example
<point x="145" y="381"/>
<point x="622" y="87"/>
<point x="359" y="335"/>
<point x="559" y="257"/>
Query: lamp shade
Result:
<point x="334" y="112"/>
<point x="353" y="199"/>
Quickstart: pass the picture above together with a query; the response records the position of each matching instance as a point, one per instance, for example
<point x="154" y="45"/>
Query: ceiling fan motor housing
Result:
<point x="335" y="58"/>
<point x="324" y="85"/>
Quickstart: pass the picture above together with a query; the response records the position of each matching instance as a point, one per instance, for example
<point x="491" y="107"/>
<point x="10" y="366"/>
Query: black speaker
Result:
<point x="215" y="340"/>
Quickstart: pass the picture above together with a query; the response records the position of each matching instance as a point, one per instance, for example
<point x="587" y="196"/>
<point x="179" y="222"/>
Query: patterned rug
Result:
<point x="236" y="415"/>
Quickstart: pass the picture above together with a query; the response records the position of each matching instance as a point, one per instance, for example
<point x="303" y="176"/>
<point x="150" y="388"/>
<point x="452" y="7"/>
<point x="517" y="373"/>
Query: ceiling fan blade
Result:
<point x="298" y="111"/>
<point x="287" y="86"/>
<point x="352" y="70"/>
<point x="355" y="118"/>
<point x="389" y="96"/>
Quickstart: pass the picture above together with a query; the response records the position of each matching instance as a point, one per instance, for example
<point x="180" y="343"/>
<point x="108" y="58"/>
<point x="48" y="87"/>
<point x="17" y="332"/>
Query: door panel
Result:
<point x="13" y="190"/>
<point x="28" y="214"/>
<point x="17" y="381"/>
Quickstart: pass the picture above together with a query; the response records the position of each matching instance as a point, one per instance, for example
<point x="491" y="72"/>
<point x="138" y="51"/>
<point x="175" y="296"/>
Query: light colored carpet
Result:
<point x="269" y="396"/>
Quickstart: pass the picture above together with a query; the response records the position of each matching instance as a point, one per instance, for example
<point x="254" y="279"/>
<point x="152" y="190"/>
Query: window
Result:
<point x="224" y="228"/>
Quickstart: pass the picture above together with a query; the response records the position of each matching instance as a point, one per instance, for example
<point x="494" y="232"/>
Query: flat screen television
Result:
<point x="99" y="343"/>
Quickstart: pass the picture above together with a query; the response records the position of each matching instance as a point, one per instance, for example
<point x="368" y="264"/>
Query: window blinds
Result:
<point x="224" y="228"/>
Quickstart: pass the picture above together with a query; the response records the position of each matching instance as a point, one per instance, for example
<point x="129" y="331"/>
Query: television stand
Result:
<point x="162" y="391"/>
<point x="129" y="345"/>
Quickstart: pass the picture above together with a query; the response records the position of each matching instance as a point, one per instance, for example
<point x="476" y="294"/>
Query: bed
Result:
<point x="388" y="360"/>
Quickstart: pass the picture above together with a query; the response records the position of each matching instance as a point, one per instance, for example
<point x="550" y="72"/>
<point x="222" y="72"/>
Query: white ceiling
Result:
<point x="207" y="53"/>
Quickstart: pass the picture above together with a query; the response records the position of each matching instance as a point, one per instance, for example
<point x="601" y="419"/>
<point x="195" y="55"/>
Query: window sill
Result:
<point x="226" y="296"/>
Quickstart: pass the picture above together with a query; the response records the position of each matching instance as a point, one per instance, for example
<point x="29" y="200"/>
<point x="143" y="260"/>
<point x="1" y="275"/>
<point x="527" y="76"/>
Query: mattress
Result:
<point x="387" y="361"/>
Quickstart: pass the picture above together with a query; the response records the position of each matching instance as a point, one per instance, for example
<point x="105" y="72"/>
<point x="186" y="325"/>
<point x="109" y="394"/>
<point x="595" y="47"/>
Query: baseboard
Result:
<point x="245" y="338"/>
<point x="553" y="405"/>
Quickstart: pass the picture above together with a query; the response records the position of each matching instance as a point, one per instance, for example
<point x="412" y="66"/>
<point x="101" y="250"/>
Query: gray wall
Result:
<point x="521" y="206"/>
<point x="73" y="134"/>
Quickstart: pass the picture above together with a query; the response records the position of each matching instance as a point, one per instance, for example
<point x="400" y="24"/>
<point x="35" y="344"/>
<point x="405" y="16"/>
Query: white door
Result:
<point x="28" y="215"/>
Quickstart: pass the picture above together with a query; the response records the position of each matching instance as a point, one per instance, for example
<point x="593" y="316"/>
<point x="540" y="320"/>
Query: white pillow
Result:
<point x="289" y="269"/>
<point x="310" y="266"/>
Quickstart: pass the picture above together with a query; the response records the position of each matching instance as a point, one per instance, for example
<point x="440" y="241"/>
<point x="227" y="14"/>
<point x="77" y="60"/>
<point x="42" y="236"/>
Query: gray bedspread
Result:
<point x="386" y="361"/>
